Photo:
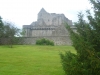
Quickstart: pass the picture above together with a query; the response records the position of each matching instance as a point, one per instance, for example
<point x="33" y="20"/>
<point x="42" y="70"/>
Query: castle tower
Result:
<point x="41" y="13"/>
<point x="47" y="24"/>
<point x="44" y="16"/>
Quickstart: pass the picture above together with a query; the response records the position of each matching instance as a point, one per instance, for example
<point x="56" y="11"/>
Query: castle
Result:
<point x="49" y="26"/>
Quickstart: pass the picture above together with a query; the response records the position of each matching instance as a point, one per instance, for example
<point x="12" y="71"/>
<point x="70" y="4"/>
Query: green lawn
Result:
<point x="32" y="60"/>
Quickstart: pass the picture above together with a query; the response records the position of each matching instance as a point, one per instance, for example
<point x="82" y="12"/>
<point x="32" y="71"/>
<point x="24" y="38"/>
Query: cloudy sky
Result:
<point x="24" y="12"/>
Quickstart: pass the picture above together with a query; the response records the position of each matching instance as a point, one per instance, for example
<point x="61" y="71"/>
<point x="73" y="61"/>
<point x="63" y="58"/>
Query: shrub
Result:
<point x="44" y="42"/>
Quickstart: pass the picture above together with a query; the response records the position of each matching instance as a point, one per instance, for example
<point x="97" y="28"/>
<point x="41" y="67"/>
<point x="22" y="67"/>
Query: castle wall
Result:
<point x="28" y="33"/>
<point x="58" y="40"/>
<point x="41" y="33"/>
<point x="51" y="19"/>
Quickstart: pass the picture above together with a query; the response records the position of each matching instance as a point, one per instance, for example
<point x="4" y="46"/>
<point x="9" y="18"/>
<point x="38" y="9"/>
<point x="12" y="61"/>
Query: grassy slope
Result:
<point x="32" y="60"/>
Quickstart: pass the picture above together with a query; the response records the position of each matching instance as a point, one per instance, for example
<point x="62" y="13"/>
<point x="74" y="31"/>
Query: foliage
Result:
<point x="22" y="33"/>
<point x="44" y="42"/>
<point x="8" y="33"/>
<point x="86" y="42"/>
<point x="1" y="27"/>
<point x="11" y="31"/>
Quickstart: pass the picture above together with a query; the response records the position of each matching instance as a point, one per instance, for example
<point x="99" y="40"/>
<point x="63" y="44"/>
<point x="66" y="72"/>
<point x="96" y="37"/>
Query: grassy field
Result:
<point x="32" y="60"/>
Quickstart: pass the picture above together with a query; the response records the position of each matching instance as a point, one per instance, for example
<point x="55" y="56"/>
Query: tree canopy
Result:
<point x="7" y="32"/>
<point x="1" y="27"/>
<point x="86" y="42"/>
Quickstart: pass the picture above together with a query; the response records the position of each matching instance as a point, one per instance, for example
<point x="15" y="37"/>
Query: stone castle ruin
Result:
<point x="49" y="26"/>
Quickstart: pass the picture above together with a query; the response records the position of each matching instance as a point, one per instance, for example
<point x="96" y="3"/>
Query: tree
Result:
<point x="1" y="27"/>
<point x="86" y="42"/>
<point x="9" y="32"/>
<point x="22" y="33"/>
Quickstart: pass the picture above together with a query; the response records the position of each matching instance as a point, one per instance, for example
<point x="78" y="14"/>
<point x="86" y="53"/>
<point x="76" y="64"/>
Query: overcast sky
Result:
<point x="24" y="12"/>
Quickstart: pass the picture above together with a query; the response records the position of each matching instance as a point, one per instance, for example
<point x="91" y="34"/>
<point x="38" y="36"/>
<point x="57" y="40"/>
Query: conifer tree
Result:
<point x="86" y="42"/>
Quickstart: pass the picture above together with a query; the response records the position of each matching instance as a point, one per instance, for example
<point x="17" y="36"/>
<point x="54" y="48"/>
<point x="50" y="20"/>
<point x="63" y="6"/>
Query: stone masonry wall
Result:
<point x="58" y="40"/>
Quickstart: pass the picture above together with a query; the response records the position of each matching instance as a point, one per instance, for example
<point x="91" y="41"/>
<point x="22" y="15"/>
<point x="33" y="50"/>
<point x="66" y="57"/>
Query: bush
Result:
<point x="44" y="42"/>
